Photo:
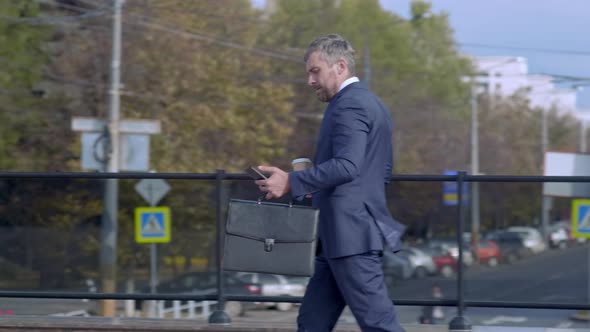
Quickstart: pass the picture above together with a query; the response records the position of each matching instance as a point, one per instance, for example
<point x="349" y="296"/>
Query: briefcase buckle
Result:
<point x="268" y="244"/>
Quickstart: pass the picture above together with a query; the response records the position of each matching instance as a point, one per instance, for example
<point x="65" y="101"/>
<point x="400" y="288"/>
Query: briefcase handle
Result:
<point x="262" y="198"/>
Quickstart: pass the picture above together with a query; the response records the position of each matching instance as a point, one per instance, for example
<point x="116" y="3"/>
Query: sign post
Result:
<point x="581" y="230"/>
<point x="450" y="198"/>
<point x="152" y="224"/>
<point x="450" y="191"/>
<point x="112" y="146"/>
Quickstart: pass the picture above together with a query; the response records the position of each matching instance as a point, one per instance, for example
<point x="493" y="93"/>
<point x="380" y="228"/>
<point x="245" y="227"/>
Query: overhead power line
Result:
<point x="98" y="4"/>
<point x="528" y="49"/>
<point x="45" y="20"/>
<point x="85" y="12"/>
<point x="568" y="77"/>
<point x="149" y="22"/>
<point x="80" y="9"/>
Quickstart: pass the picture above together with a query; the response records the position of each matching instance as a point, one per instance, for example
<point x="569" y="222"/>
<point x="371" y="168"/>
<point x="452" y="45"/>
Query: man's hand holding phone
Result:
<point x="255" y="173"/>
<point x="275" y="185"/>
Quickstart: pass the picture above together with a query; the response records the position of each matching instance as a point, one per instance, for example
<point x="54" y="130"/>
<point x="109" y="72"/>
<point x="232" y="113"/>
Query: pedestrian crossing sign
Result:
<point x="581" y="218"/>
<point x="152" y="224"/>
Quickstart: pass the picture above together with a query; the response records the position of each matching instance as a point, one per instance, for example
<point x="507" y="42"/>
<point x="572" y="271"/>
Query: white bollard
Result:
<point x="176" y="309"/>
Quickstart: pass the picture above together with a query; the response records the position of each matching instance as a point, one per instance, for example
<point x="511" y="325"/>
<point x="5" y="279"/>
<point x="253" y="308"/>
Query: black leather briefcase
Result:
<point x="270" y="238"/>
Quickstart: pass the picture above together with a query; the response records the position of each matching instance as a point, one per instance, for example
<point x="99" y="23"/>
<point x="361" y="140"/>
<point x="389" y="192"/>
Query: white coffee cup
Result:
<point x="300" y="164"/>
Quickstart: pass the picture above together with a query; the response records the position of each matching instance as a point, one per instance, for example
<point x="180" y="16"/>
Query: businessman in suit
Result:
<point x="352" y="164"/>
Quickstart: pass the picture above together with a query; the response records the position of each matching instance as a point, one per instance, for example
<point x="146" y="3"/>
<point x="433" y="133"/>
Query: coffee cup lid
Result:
<point x="301" y="160"/>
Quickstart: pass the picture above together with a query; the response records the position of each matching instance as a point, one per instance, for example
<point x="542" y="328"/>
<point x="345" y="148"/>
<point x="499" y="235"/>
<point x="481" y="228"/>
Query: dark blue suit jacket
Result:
<point x="353" y="163"/>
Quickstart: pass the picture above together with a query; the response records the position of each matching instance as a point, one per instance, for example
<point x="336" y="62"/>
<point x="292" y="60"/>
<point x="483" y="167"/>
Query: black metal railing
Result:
<point x="218" y="316"/>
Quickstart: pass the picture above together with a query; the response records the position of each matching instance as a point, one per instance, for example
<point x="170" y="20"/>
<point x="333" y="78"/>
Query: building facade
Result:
<point x="506" y="75"/>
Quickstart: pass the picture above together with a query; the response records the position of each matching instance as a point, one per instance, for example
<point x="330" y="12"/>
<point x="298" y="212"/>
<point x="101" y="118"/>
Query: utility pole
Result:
<point x="474" y="170"/>
<point x="108" y="254"/>
<point x="583" y="145"/>
<point x="547" y="201"/>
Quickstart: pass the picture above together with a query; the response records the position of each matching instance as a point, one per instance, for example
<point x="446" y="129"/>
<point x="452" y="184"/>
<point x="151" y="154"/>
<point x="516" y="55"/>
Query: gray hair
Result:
<point x="332" y="48"/>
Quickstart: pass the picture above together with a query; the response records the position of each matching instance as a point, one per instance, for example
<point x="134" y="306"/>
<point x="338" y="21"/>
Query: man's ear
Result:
<point x="341" y="66"/>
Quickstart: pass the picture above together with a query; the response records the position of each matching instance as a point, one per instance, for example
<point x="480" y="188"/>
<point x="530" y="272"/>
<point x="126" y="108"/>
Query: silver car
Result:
<point x="533" y="239"/>
<point x="275" y="285"/>
<point x="396" y="266"/>
<point x="422" y="263"/>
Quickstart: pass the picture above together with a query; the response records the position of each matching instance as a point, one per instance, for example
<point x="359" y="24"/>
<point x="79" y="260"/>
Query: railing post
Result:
<point x="219" y="316"/>
<point x="460" y="323"/>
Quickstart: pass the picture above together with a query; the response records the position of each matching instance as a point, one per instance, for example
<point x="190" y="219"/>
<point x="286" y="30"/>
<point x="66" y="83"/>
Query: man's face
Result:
<point x="322" y="77"/>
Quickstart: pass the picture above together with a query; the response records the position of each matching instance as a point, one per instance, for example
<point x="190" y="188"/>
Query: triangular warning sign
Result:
<point x="152" y="225"/>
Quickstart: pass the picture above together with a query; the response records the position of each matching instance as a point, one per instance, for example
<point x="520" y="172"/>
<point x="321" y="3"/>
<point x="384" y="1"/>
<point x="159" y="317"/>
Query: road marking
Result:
<point x="564" y="325"/>
<point x="505" y="319"/>
<point x="557" y="298"/>
<point x="74" y="313"/>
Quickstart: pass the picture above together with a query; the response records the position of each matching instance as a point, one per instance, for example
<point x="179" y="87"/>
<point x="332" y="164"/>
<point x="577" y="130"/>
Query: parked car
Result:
<point x="488" y="252"/>
<point x="396" y="266"/>
<point x="422" y="263"/>
<point x="560" y="235"/>
<point x="446" y="264"/>
<point x="453" y="248"/>
<point x="303" y="281"/>
<point x="511" y="245"/>
<point x="533" y="239"/>
<point x="275" y="285"/>
<point x="205" y="283"/>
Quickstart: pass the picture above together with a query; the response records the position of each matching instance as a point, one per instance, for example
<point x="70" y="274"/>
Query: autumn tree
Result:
<point x="227" y="82"/>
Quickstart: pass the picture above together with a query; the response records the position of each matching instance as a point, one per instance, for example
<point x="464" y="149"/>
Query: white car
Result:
<point x="533" y="239"/>
<point x="276" y="285"/>
<point x="421" y="262"/>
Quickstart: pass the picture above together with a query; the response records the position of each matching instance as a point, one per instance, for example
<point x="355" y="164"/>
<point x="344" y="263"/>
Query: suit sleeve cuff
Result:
<point x="297" y="190"/>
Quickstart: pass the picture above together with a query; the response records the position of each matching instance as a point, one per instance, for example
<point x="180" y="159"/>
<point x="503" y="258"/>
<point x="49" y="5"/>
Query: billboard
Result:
<point x="566" y="164"/>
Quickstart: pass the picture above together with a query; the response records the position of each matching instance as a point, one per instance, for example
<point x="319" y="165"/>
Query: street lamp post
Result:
<point x="476" y="84"/>
<point x="546" y="201"/>
<point x="583" y="144"/>
<point x="475" y="214"/>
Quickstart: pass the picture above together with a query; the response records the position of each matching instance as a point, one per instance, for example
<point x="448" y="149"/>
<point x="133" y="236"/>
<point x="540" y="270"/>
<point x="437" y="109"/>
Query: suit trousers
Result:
<point x="356" y="281"/>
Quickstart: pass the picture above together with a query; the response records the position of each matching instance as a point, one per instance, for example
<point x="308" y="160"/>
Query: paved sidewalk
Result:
<point x="100" y="324"/>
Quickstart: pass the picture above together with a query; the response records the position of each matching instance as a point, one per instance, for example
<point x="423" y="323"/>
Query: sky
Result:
<point x="552" y="34"/>
<point x="543" y="27"/>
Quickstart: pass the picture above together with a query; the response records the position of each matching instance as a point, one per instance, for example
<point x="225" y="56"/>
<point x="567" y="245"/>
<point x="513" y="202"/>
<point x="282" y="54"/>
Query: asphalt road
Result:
<point x="555" y="276"/>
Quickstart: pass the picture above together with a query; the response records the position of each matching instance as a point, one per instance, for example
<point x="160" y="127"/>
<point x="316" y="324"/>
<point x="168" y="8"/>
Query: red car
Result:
<point x="488" y="253"/>
<point x="445" y="263"/>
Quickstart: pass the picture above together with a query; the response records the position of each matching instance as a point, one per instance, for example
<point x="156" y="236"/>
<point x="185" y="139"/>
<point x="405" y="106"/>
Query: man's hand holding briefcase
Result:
<point x="270" y="237"/>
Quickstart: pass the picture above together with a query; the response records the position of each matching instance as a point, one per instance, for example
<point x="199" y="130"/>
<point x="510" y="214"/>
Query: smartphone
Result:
<point x="255" y="173"/>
